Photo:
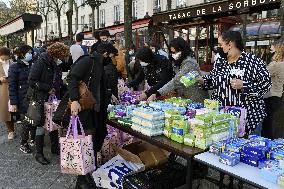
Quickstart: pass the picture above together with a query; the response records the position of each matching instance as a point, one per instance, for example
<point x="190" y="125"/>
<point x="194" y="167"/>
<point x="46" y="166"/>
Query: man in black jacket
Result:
<point x="156" y="71"/>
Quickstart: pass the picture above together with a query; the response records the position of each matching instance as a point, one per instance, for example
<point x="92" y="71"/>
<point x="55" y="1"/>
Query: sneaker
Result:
<point x="32" y="143"/>
<point x="11" y="135"/>
<point x="25" y="149"/>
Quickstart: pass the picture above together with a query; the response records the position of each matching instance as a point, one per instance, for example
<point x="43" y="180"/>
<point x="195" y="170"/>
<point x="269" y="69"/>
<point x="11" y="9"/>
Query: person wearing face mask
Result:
<point x="45" y="80"/>
<point x="93" y="120"/>
<point x="156" y="71"/>
<point x="156" y="49"/>
<point x="239" y="79"/>
<point x="18" y="87"/>
<point x="5" y="115"/>
<point x="183" y="63"/>
<point x="108" y="50"/>
<point x="96" y="44"/>
<point x="133" y="64"/>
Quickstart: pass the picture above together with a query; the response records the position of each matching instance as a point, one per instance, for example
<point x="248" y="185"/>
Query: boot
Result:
<point x="39" y="140"/>
<point x="82" y="183"/>
<point x="54" y="141"/>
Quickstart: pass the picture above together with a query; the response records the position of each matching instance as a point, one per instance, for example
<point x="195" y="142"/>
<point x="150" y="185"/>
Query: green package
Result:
<point x="189" y="140"/>
<point x="203" y="143"/>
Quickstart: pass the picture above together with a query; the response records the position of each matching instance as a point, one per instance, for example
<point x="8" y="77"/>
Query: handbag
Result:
<point x="62" y="114"/>
<point x="35" y="111"/>
<point x="86" y="99"/>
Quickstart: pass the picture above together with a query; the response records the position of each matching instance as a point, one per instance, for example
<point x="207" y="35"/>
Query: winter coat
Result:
<point x="193" y="92"/>
<point x="94" y="119"/>
<point x="157" y="74"/>
<point x="111" y="76"/>
<point x="18" y="84"/>
<point x="44" y="76"/>
<point x="4" y="94"/>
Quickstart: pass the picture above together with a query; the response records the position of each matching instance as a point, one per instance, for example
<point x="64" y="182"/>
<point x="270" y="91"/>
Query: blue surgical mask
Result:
<point x="28" y="57"/>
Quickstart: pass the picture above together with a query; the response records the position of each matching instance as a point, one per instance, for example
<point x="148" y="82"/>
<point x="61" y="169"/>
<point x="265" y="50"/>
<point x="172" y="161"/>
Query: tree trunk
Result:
<point x="128" y="23"/>
<point x="59" y="24"/>
<point x="69" y="15"/>
<point x="45" y="35"/>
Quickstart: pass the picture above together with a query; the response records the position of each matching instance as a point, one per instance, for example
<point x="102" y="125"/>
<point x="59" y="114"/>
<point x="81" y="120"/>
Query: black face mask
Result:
<point x="221" y="52"/>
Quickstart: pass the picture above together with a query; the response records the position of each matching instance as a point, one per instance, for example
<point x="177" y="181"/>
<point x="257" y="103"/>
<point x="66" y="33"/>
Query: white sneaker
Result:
<point x="11" y="136"/>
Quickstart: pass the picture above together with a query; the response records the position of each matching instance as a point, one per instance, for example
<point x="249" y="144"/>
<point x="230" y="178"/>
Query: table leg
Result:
<point x="241" y="184"/>
<point x="231" y="185"/>
<point x="189" y="173"/>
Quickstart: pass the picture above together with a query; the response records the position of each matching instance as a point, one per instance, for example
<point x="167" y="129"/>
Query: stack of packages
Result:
<point x="189" y="79"/>
<point x="122" y="113"/>
<point x="148" y="121"/>
<point x="255" y="151"/>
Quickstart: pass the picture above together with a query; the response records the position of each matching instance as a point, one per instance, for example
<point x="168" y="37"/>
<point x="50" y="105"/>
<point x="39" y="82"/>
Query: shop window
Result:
<point x="102" y="18"/>
<point x="90" y="20"/>
<point x="272" y="13"/>
<point x="82" y="22"/>
<point x="157" y="6"/>
<point x="181" y="3"/>
<point x="134" y="10"/>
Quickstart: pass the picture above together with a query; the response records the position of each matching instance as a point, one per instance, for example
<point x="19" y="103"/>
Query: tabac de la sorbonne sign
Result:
<point x="211" y="9"/>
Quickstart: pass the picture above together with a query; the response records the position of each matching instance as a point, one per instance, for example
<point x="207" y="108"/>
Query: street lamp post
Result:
<point x="95" y="4"/>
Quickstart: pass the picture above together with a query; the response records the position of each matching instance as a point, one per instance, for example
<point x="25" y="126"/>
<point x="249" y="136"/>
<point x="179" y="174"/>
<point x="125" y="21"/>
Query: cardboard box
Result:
<point x="146" y="153"/>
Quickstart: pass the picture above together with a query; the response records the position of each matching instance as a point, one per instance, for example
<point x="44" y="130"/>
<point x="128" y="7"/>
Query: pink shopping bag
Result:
<point x="49" y="108"/>
<point x="76" y="151"/>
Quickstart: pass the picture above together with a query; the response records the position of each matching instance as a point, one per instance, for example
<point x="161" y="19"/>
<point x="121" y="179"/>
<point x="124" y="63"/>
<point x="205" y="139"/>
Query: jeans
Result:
<point x="257" y="130"/>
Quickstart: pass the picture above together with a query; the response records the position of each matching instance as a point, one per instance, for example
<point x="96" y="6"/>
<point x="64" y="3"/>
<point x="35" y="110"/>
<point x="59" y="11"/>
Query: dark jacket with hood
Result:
<point x="94" y="119"/>
<point x="44" y="76"/>
<point x="157" y="73"/>
<point x="18" y="84"/>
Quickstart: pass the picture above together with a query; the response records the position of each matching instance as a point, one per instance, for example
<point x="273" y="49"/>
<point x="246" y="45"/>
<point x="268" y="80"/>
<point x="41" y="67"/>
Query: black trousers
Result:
<point x="27" y="131"/>
<point x="272" y="105"/>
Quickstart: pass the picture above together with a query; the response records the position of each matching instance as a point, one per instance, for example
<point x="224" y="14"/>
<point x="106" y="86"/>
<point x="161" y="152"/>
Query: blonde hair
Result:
<point x="279" y="53"/>
<point x="58" y="50"/>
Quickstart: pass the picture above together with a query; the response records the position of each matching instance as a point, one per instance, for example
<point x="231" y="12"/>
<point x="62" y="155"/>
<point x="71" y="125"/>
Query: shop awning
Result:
<point x="25" y="22"/>
<point x="215" y="9"/>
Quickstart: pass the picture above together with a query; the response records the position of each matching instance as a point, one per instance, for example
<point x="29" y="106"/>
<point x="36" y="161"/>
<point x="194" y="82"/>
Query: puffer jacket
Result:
<point x="18" y="84"/>
<point x="44" y="76"/>
<point x="193" y="92"/>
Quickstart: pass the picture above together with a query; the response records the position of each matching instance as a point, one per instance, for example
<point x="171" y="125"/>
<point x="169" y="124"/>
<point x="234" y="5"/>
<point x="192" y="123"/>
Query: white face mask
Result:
<point x="131" y="52"/>
<point x="144" y="64"/>
<point x="176" y="56"/>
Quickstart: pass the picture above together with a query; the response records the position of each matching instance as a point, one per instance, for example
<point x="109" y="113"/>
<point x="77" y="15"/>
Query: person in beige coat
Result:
<point x="5" y="116"/>
<point x="273" y="98"/>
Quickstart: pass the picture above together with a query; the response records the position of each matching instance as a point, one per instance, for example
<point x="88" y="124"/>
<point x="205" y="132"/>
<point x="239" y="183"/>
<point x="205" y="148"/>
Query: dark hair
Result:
<point x="23" y="50"/>
<point x="145" y="54"/>
<point x="179" y="44"/>
<point x="97" y="34"/>
<point x="4" y="51"/>
<point x="105" y="33"/>
<point x="80" y="37"/>
<point x="233" y="36"/>
<point x="106" y="48"/>
<point x="132" y="46"/>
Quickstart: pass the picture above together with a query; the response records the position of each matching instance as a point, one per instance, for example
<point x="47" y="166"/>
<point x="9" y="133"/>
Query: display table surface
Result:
<point x="241" y="171"/>
<point x="160" y="141"/>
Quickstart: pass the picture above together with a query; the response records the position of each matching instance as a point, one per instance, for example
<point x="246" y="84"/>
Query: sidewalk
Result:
<point x="18" y="170"/>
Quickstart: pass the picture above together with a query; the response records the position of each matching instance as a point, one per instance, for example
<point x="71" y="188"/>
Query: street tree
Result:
<point x="56" y="6"/>
<point x="44" y="10"/>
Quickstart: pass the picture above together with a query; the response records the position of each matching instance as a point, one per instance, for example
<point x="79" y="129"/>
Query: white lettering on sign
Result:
<point x="236" y="5"/>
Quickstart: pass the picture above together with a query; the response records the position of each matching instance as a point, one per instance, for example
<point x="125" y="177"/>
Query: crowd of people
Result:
<point x="30" y="75"/>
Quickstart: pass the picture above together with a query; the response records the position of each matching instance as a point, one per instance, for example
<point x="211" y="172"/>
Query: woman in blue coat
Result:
<point x="18" y="86"/>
